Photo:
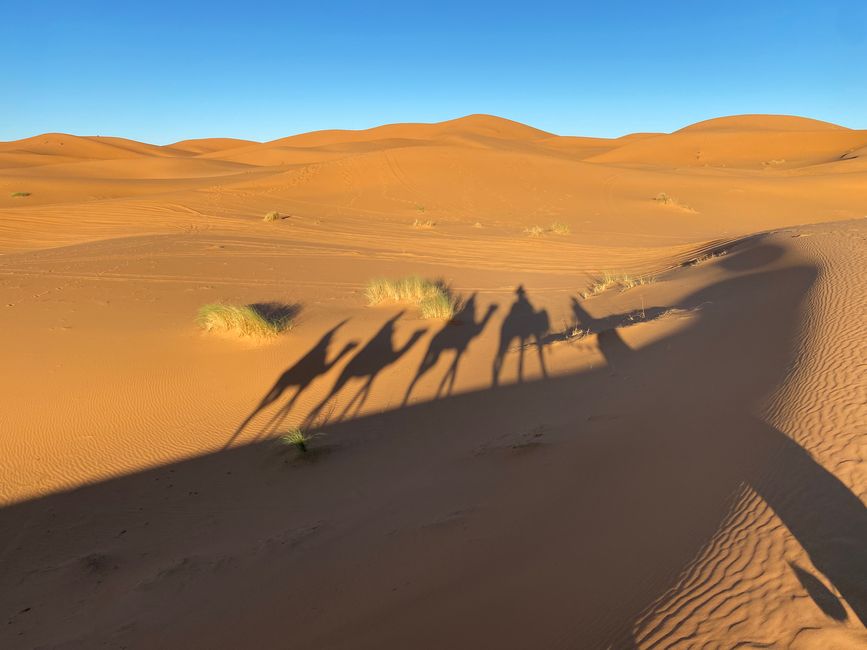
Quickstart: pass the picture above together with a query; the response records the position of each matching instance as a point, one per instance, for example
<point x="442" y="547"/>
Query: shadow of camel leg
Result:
<point x="421" y="372"/>
<point x="277" y="419"/>
<point x="540" y="349"/>
<point x="360" y="395"/>
<point x="364" y="393"/>
<point x="262" y="406"/>
<point x="498" y="366"/>
<point x="448" y="378"/>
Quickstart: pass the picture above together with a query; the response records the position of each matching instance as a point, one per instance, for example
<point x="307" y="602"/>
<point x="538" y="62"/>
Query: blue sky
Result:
<point x="163" y="71"/>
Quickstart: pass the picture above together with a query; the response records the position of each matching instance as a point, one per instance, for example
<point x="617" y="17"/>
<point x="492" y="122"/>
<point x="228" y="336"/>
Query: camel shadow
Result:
<point x="455" y="337"/>
<point x="377" y="354"/>
<point x="298" y="377"/>
<point x="525" y="325"/>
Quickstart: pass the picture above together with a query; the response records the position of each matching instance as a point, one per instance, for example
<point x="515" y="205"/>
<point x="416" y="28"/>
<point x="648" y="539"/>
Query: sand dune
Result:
<point x="209" y="145"/>
<point x="742" y="123"/>
<point x="678" y="464"/>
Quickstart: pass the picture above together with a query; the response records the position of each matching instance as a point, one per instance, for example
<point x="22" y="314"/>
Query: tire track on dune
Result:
<point x="566" y="258"/>
<point x="742" y="586"/>
<point x="127" y="277"/>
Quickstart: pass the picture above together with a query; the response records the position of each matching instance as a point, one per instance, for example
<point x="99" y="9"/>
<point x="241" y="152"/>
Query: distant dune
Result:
<point x="209" y="145"/>
<point x="643" y="427"/>
<point x="743" y="123"/>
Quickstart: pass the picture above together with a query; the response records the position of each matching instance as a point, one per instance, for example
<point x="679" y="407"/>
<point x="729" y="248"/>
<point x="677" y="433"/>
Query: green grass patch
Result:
<point x="298" y="438"/>
<point x="433" y="298"/>
<point x="20" y="195"/>
<point x="258" y="321"/>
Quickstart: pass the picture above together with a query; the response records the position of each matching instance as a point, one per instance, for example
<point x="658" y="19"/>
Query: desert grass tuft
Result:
<point x="433" y="298"/>
<point x="424" y="224"/>
<point x="298" y="438"/>
<point x="611" y="280"/>
<point x="272" y="216"/>
<point x="535" y="231"/>
<point x="559" y="228"/>
<point x="244" y="320"/>
<point x="20" y="195"/>
<point x="664" y="199"/>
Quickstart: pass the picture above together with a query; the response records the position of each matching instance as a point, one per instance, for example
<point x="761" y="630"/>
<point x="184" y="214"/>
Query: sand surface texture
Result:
<point x="676" y="464"/>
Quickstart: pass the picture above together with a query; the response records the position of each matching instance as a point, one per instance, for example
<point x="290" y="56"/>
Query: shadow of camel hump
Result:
<point x="377" y="354"/>
<point x="299" y="376"/>
<point x="455" y="336"/>
<point x="524" y="324"/>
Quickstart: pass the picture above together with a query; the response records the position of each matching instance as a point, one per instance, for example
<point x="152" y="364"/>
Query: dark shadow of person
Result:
<point x="299" y="376"/>
<point x="523" y="323"/>
<point x="455" y="336"/>
<point x="373" y="358"/>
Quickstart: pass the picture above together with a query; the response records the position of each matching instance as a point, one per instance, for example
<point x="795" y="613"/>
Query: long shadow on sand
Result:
<point x="434" y="525"/>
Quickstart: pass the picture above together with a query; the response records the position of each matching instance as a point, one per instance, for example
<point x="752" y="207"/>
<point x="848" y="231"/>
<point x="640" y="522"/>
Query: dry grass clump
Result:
<point x="704" y="258"/>
<point x="424" y="224"/>
<point x="611" y="280"/>
<point x="20" y="195"/>
<point x="244" y="320"/>
<point x="664" y="199"/>
<point x="558" y="228"/>
<point x="272" y="216"/>
<point x="433" y="299"/>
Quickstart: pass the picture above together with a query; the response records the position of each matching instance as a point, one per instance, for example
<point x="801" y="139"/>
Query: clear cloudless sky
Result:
<point x="163" y="71"/>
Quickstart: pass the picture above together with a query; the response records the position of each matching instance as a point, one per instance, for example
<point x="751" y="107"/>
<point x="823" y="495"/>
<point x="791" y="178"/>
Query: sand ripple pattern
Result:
<point x="742" y="591"/>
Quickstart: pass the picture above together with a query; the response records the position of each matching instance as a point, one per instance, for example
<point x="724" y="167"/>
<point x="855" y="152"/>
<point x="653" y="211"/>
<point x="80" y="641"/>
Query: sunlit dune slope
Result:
<point x="762" y="123"/>
<point x="208" y="145"/>
<point x="722" y="177"/>
<point x="85" y="147"/>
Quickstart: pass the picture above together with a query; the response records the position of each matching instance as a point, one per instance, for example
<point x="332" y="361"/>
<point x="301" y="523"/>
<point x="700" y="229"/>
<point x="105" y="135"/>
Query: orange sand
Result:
<point x="679" y="464"/>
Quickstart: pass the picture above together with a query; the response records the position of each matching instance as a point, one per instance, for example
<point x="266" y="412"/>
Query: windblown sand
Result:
<point x="678" y="464"/>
